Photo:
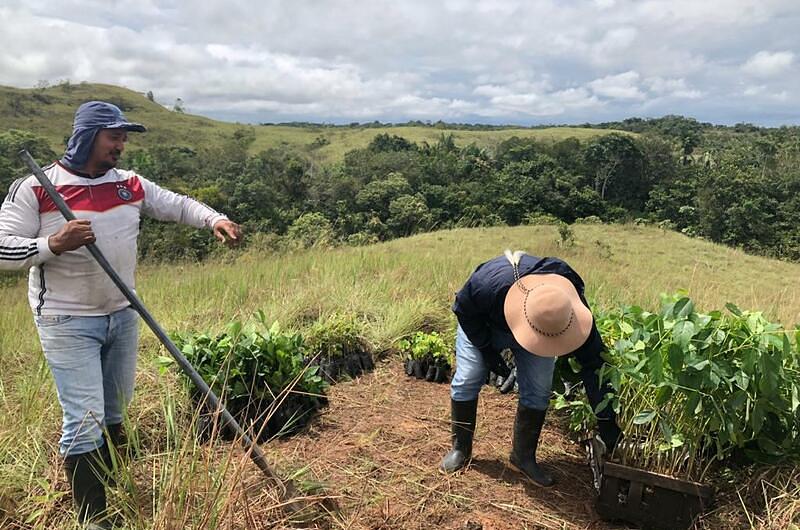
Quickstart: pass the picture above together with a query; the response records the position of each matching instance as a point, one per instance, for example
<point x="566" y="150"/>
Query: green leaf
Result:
<point x="560" y="402"/>
<point x="741" y="379"/>
<point x="758" y="416"/>
<point x="733" y="309"/>
<point x="749" y="358"/>
<point x="574" y="365"/>
<point x="683" y="308"/>
<point x="692" y="403"/>
<point x="234" y="328"/>
<point x="644" y="417"/>
<point x="683" y="332"/>
<point x="655" y="367"/>
<point x="699" y="365"/>
<point x="676" y="357"/>
<point x="737" y="401"/>
<point x="663" y="395"/>
<point x="775" y="341"/>
<point x="676" y="440"/>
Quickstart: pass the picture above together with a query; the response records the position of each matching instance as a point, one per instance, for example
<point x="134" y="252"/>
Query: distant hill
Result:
<point x="48" y="112"/>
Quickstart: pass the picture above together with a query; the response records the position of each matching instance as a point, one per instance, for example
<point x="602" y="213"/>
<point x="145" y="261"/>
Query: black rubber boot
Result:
<point x="85" y="476"/>
<point x="462" y="418"/>
<point x="527" y="429"/>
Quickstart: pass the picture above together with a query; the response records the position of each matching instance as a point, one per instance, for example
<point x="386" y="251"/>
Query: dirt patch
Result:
<point x="379" y="443"/>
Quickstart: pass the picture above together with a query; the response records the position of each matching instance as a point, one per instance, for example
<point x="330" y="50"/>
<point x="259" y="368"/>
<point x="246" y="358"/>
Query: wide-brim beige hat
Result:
<point x="546" y="315"/>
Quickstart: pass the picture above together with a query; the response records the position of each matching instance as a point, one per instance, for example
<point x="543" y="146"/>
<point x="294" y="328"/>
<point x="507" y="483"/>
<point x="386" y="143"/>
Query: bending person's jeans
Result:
<point x="534" y="373"/>
<point x="93" y="361"/>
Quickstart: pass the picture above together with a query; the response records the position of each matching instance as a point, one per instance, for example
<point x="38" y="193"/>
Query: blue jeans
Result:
<point x="93" y="361"/>
<point x="534" y="373"/>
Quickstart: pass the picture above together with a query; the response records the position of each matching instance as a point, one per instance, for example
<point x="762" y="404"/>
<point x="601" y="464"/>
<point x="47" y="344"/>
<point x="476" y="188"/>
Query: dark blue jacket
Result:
<point x="479" y="310"/>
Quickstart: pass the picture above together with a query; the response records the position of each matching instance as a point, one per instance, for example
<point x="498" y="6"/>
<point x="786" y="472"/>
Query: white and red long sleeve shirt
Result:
<point x="73" y="283"/>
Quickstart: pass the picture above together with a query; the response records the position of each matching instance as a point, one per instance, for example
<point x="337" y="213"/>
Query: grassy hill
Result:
<point x="395" y="287"/>
<point x="49" y="112"/>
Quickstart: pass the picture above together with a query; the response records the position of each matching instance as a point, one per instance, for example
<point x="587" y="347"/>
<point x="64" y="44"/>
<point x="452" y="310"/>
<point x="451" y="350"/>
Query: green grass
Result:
<point x="396" y="287"/>
<point x="49" y="113"/>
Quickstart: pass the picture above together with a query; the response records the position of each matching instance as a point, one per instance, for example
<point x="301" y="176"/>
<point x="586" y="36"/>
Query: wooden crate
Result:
<point x="650" y="500"/>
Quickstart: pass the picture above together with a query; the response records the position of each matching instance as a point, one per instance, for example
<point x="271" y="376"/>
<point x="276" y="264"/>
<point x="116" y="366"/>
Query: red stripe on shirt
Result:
<point x="98" y="198"/>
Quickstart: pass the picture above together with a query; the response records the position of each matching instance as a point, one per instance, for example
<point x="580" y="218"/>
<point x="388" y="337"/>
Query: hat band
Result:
<point x="536" y="328"/>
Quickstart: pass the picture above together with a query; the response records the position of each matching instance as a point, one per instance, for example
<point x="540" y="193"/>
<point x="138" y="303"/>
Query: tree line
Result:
<point x="739" y="187"/>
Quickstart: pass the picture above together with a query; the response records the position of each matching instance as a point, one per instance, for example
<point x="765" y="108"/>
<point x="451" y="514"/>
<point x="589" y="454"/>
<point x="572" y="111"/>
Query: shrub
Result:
<point x="259" y="372"/>
<point x="429" y="347"/>
<point x="337" y="345"/>
<point x="536" y="218"/>
<point x="693" y="389"/>
<point x="337" y="336"/>
<point x="311" y="230"/>
<point x="589" y="220"/>
<point x="427" y="355"/>
<point x="360" y="239"/>
<point x="566" y="235"/>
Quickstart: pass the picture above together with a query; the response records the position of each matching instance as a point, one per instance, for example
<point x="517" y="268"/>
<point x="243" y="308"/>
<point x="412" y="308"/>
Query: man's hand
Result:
<point x="74" y="234"/>
<point x="228" y="232"/>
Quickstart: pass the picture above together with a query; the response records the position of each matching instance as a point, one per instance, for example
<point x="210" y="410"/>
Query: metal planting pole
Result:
<point x="252" y="448"/>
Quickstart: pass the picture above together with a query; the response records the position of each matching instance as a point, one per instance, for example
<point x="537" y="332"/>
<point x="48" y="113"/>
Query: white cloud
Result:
<point x="492" y="90"/>
<point x="522" y="61"/>
<point x="619" y="86"/>
<point x="677" y="88"/>
<point x="692" y="14"/>
<point x="605" y="4"/>
<point x="767" y="64"/>
<point x="541" y="103"/>
<point x="754" y="90"/>
<point x="614" y="43"/>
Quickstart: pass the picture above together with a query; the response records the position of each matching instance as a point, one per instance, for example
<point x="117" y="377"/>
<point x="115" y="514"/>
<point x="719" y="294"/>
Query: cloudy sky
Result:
<point x="516" y="61"/>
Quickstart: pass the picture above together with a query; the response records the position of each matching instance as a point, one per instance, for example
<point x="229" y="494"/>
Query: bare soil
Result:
<point x="377" y="447"/>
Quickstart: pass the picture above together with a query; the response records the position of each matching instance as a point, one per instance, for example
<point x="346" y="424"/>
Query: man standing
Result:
<point x="88" y="331"/>
<point x="535" y="307"/>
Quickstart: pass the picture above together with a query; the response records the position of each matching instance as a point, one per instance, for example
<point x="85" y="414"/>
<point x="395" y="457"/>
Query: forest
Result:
<point x="736" y="185"/>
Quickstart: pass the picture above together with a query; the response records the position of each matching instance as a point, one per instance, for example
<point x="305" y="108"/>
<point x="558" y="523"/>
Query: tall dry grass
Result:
<point x="395" y="287"/>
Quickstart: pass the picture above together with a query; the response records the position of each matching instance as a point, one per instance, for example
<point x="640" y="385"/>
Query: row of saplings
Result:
<point x="694" y="393"/>
<point x="272" y="380"/>
<point x="697" y="395"/>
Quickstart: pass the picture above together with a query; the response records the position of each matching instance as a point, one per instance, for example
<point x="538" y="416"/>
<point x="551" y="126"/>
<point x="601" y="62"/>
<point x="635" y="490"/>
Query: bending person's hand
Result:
<point x="228" y="232"/>
<point x="496" y="363"/>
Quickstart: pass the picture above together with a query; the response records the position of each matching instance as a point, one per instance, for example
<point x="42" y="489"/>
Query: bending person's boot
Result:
<point x="462" y="419"/>
<point x="527" y="429"/>
<point x="85" y="476"/>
